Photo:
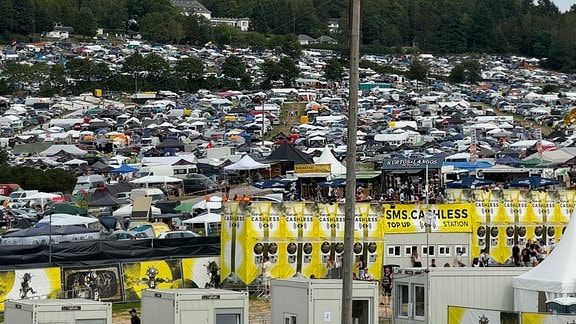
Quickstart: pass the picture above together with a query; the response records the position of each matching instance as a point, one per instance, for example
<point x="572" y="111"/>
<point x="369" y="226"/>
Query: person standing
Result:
<point x="516" y="254"/>
<point x="266" y="274"/>
<point x="458" y="262"/>
<point x="134" y="319"/>
<point x="387" y="287"/>
<point x="526" y="255"/>
<point x="415" y="258"/>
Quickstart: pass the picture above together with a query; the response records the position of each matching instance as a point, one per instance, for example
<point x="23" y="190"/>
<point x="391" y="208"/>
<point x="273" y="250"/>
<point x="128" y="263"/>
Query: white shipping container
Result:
<point x="60" y="311"/>
<point x="309" y="301"/>
<point x="206" y="306"/>
<point x="423" y="296"/>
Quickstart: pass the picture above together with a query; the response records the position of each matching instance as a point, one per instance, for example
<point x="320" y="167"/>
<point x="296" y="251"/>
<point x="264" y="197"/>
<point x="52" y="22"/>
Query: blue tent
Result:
<point x="468" y="165"/>
<point x="468" y="182"/>
<point x="270" y="184"/>
<point x="336" y="183"/>
<point x="125" y="168"/>
<point x="508" y="160"/>
<point x="533" y="182"/>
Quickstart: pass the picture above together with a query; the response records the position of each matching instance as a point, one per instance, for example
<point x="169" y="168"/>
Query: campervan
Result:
<point x="155" y="170"/>
<point x="154" y="193"/>
<point x="21" y="194"/>
<point x="89" y="183"/>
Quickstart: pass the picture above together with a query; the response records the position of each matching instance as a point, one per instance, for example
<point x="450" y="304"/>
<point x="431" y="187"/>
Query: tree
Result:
<point x="85" y="23"/>
<point x="233" y="67"/>
<point x="457" y="74"/>
<point x="189" y="68"/>
<point x="418" y="71"/>
<point x="473" y="71"/>
<point x="333" y="71"/>
<point x="289" y="71"/>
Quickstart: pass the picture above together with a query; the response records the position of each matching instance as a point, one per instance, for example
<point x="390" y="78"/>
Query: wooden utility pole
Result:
<point x="350" y="207"/>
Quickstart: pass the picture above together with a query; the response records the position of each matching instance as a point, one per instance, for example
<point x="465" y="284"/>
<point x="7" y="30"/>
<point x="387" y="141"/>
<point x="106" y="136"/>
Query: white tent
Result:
<point x="207" y="223"/>
<point x="555" y="276"/>
<point x="214" y="203"/>
<point x="247" y="163"/>
<point x="337" y="168"/>
<point x="156" y="179"/>
<point x="66" y="220"/>
<point x="126" y="211"/>
<point x="55" y="149"/>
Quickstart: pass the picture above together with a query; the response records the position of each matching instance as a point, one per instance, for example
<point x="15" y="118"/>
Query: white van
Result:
<point x="154" y="193"/>
<point x="18" y="196"/>
<point x="89" y="183"/>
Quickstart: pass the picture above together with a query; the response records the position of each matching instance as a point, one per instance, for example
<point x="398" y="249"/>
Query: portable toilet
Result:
<point x="57" y="311"/>
<point x="309" y="301"/>
<point x="209" y="306"/>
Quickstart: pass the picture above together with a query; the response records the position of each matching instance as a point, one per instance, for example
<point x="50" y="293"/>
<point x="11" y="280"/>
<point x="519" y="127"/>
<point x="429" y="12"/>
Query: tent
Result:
<point x="126" y="211"/>
<point x="124" y="168"/>
<point x="64" y="208"/>
<point x="107" y="201"/>
<point x="247" y="163"/>
<point x="155" y="179"/>
<point x="555" y="276"/>
<point x="336" y="167"/>
<point x="214" y="203"/>
<point x="533" y="182"/>
<point x="270" y="184"/>
<point x="287" y="152"/>
<point x="468" y="182"/>
<point x="42" y="235"/>
<point x="205" y="224"/>
<point x="66" y="220"/>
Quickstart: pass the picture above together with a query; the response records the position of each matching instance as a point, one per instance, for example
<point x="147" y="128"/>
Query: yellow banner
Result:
<point x="312" y="168"/>
<point x="463" y="315"/>
<point x="540" y="318"/>
<point x="29" y="284"/>
<point x="447" y="218"/>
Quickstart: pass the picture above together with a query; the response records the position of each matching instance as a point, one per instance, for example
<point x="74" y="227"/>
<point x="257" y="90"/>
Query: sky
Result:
<point x="564" y="5"/>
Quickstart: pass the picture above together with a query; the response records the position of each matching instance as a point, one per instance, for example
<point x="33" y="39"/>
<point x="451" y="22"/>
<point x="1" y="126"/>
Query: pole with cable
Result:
<point x="349" y="208"/>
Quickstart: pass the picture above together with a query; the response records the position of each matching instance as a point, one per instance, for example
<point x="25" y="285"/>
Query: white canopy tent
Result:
<point x="555" y="276"/>
<point x="126" y="211"/>
<point x="206" y="223"/>
<point x="156" y="179"/>
<point x="336" y="167"/>
<point x="247" y="163"/>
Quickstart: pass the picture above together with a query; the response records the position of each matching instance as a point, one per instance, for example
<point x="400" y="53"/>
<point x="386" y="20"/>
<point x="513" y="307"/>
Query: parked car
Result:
<point x="178" y="234"/>
<point x="125" y="235"/>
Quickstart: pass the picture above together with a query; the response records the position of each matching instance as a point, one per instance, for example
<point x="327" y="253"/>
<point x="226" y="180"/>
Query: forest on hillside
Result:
<point x="520" y="27"/>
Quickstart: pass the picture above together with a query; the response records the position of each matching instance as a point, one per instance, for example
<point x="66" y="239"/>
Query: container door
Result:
<point x="361" y="311"/>
<point x="193" y="316"/>
<point x="91" y="321"/>
<point x="327" y="311"/>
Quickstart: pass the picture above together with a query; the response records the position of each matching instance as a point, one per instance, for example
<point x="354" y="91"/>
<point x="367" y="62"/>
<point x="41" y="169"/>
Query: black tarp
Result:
<point x="81" y="253"/>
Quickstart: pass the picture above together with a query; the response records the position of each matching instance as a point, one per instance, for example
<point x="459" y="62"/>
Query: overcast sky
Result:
<point x="564" y="5"/>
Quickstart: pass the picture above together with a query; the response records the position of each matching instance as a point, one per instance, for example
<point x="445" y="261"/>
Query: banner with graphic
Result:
<point x="196" y="272"/>
<point x="444" y="218"/>
<point x="542" y="318"/>
<point x="463" y="315"/>
<point x="517" y="206"/>
<point x="97" y="283"/>
<point x="297" y="237"/>
<point x="160" y="274"/>
<point x="29" y="284"/>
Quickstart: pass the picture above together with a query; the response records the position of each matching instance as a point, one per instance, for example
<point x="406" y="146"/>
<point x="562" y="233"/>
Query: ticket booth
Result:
<point x="210" y="306"/>
<point x="308" y="301"/>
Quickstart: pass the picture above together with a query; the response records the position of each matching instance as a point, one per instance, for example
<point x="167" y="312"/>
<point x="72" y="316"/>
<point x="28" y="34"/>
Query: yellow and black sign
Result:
<point x="312" y="168"/>
<point x="445" y="218"/>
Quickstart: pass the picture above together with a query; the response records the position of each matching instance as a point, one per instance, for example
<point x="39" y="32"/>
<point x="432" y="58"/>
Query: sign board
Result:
<point x="312" y="168"/>
<point x="394" y="164"/>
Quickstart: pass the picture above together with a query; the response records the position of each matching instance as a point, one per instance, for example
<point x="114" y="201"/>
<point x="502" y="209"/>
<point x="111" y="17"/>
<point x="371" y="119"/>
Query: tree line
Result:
<point x="520" y="27"/>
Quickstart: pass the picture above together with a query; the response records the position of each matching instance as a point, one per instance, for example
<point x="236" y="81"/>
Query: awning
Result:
<point x="312" y="175"/>
<point x="407" y="171"/>
<point x="364" y="175"/>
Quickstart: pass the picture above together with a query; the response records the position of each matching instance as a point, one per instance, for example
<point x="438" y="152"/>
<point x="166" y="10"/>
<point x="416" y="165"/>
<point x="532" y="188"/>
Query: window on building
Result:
<point x="428" y="250"/>
<point x="419" y="301"/>
<point x="404" y="300"/>
<point x="445" y="250"/>
<point x="394" y="251"/>
<point x="408" y="249"/>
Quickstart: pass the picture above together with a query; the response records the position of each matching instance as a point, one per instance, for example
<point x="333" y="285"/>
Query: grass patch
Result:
<point x="123" y="308"/>
<point x="286" y="120"/>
